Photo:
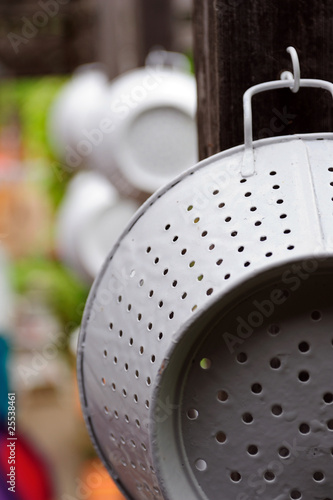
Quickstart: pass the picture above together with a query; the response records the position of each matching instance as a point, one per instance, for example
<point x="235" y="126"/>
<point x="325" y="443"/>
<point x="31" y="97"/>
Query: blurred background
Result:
<point x="85" y="138"/>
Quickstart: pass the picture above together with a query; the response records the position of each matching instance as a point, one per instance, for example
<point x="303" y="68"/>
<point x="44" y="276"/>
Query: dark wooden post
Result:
<point x="240" y="43"/>
<point x="119" y="44"/>
<point x="129" y="29"/>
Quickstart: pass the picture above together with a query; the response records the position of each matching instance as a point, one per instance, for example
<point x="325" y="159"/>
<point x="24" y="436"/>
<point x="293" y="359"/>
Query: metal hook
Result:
<point x="296" y="75"/>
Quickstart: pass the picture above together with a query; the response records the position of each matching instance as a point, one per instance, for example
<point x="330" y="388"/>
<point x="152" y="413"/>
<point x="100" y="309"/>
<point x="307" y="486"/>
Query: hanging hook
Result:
<point x="296" y="75"/>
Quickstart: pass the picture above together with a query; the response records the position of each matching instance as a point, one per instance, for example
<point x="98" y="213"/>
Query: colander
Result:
<point x="205" y="357"/>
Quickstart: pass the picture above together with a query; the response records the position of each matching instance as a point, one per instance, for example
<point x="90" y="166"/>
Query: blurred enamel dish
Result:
<point x="73" y="115"/>
<point x="151" y="112"/>
<point x="90" y="220"/>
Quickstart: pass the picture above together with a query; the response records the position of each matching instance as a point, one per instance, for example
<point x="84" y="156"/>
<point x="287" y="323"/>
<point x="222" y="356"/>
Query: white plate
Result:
<point x="153" y="137"/>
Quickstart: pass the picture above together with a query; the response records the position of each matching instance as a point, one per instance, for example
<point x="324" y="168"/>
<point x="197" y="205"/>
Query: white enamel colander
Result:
<point x="205" y="358"/>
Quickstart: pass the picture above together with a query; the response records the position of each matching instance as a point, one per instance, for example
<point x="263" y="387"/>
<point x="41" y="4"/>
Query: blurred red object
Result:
<point x="31" y="479"/>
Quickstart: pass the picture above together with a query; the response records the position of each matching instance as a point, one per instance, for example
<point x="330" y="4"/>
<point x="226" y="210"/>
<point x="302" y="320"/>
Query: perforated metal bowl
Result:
<point x="206" y="352"/>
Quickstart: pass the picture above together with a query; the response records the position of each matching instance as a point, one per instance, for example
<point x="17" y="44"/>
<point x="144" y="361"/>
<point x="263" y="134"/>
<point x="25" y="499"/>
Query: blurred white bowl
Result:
<point x="90" y="219"/>
<point x="74" y="112"/>
<point x="151" y="113"/>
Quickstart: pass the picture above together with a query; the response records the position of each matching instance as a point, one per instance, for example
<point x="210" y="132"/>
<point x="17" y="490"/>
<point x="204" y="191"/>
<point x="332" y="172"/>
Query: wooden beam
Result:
<point x="239" y="44"/>
<point x="119" y="41"/>
<point x="46" y="36"/>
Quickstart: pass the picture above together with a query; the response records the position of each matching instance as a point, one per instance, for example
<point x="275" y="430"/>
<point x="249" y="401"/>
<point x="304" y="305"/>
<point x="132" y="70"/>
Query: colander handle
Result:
<point x="248" y="167"/>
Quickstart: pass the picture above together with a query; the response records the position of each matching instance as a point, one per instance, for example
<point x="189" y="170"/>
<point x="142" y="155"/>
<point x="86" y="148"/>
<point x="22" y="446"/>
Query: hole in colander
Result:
<point x="328" y="398"/>
<point x="221" y="437"/>
<point x="247" y="194"/>
<point x="243" y="180"/>
<point x="272" y="173"/>
<point x="247" y="418"/>
<point x="316" y="315"/>
<point x="227" y="219"/>
<point x="201" y="464"/>
<point x="175" y="238"/>
<point x="183" y="252"/>
<point x="196" y="220"/>
<point x="242" y="357"/>
<point x="209" y="291"/>
<point x="318" y="476"/>
<point x="304" y="428"/>
<point x="269" y="254"/>
<point x="219" y="262"/>
<point x="287" y="231"/>
<point x="200" y="278"/>
<point x="235" y="476"/>
<point x="303" y="346"/>
<point x="247" y="263"/>
<point x="184" y="295"/>
<point x="253" y="209"/>
<point x="263" y="238"/>
<point x="276" y="186"/>
<point x="241" y="249"/>
<point x="276" y="410"/>
<point x="192" y="263"/>
<point x="222" y="396"/>
<point x="105" y="353"/>
<point x="330" y="424"/>
<point x="256" y="388"/>
<point x="279" y="202"/>
<point x="273" y="329"/>
<point x="221" y="205"/>
<point x="204" y="233"/>
<point x="151" y="293"/>
<point x="304" y="376"/>
<point x="192" y="414"/>
<point x="205" y="363"/>
<point x="252" y="449"/>
<point x="275" y="363"/>
<point x="283" y="216"/>
<point x="216" y="192"/>
<point x="167" y="227"/>
<point x="269" y="475"/>
<point x="258" y="223"/>
<point x="103" y="381"/>
<point x="189" y="208"/>
<point x="295" y="494"/>
<point x="284" y="452"/>
<point x="212" y="246"/>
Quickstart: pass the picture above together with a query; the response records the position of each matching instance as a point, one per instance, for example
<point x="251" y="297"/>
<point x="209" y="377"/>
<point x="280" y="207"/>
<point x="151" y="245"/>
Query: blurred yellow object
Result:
<point x="97" y="483"/>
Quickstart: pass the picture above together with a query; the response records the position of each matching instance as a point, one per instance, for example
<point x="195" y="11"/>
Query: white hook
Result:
<point x="296" y="74"/>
